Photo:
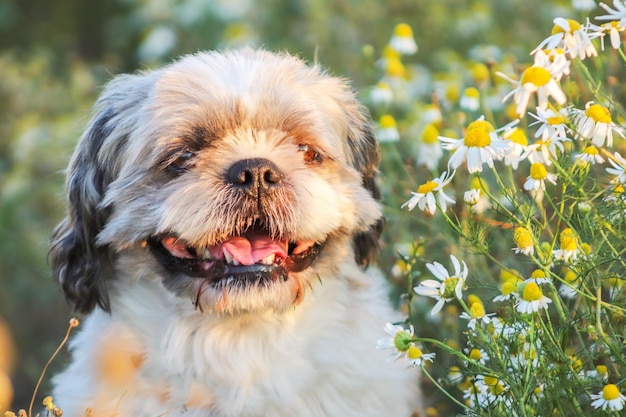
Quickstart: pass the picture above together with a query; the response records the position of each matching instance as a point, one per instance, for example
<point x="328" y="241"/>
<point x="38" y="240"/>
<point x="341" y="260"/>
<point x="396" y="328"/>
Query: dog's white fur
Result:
<point x="156" y="342"/>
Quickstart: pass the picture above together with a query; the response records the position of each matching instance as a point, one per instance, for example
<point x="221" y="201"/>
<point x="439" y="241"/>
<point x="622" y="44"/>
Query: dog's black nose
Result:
<point x="255" y="176"/>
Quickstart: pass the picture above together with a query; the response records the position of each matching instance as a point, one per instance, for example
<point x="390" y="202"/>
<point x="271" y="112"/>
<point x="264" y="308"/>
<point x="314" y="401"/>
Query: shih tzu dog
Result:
<point x="221" y="215"/>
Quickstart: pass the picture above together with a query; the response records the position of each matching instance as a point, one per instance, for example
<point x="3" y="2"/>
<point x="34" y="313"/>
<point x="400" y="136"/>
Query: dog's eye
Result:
<point x="179" y="162"/>
<point x="310" y="154"/>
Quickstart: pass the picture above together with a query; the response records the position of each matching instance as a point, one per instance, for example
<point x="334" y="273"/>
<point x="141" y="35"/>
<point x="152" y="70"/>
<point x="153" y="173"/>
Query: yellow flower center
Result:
<point x="427" y="187"/>
<point x="493" y="384"/>
<point x="536" y="75"/>
<point x="509" y="287"/>
<point x="480" y="72"/>
<point x="538" y="171"/>
<point x="518" y="136"/>
<point x="477" y="310"/>
<point x="532" y="292"/>
<point x="522" y="237"/>
<point x="473" y="298"/>
<point x="508" y="275"/>
<point x="471" y="92"/>
<point x="390" y="53"/>
<point x="481" y="125"/>
<point x="387" y="122"/>
<point x="602" y="370"/>
<point x="477" y="134"/>
<point x="414" y="352"/>
<point x="591" y="150"/>
<point x="570" y="276"/>
<point x="430" y="135"/>
<point x="395" y="68"/>
<point x="567" y="239"/>
<point x="610" y="392"/>
<point x="475" y="354"/>
<point x="538" y="273"/>
<point x="598" y="113"/>
<point x="573" y="27"/>
<point x="555" y="120"/>
<point x="449" y="287"/>
<point x="383" y="86"/>
<point x="403" y="30"/>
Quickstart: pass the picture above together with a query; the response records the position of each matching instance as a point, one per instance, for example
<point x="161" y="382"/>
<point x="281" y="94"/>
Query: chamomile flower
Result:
<point x="538" y="176"/>
<point x="618" y="170"/>
<point x="492" y="387"/>
<point x="471" y="197"/>
<point x="480" y="145"/>
<point x="447" y="287"/>
<point x="508" y="291"/>
<point x="571" y="36"/>
<point x="544" y="151"/>
<point x="470" y="100"/>
<point x="399" y="340"/>
<point x="612" y="28"/>
<point x="477" y="315"/>
<point x="536" y="79"/>
<point x="595" y="123"/>
<point x="600" y="372"/>
<point x="388" y="129"/>
<point x="417" y="357"/>
<point x="430" y="150"/>
<point x="568" y="244"/>
<point x="551" y="123"/>
<point x="618" y="13"/>
<point x="402" y="39"/>
<point x="455" y="375"/>
<point x="555" y="59"/>
<point x="479" y="195"/>
<point x="518" y="142"/>
<point x="389" y="57"/>
<point x="532" y="299"/>
<point x="568" y="288"/>
<point x="539" y="276"/>
<point x="381" y="94"/>
<point x="523" y="239"/>
<point x="425" y="198"/>
<point x="474" y="395"/>
<point x="609" y="398"/>
<point x="590" y="155"/>
<point x="478" y="355"/>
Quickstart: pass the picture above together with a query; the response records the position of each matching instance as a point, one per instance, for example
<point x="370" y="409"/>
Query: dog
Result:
<point x="222" y="212"/>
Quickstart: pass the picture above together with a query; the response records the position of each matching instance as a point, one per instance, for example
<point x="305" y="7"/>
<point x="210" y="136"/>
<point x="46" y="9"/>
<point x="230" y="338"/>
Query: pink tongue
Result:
<point x="251" y="249"/>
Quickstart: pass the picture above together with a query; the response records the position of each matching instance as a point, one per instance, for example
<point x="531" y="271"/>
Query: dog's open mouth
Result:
<point x="252" y="257"/>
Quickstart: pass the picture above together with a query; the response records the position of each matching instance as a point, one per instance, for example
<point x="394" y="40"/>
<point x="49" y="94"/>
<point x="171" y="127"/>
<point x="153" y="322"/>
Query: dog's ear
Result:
<point x="365" y="158"/>
<point x="78" y="263"/>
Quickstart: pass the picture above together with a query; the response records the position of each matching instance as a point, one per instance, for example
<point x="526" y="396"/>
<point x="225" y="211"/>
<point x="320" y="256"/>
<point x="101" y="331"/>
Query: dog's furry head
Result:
<point x="234" y="180"/>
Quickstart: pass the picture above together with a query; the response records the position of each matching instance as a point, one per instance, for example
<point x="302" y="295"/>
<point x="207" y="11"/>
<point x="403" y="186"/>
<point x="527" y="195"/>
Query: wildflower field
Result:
<point x="502" y="129"/>
<point x="511" y="242"/>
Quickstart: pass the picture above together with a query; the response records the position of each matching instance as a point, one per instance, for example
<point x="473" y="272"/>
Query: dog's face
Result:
<point x="235" y="180"/>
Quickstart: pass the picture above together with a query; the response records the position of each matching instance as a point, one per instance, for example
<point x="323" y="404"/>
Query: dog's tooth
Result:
<point x="207" y="254"/>
<point x="228" y="257"/>
<point x="269" y="259"/>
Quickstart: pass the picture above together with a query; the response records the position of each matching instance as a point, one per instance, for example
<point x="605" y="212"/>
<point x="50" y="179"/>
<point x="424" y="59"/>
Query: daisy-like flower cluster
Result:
<point x="446" y="287"/>
<point x="401" y="342"/>
<point x="535" y="163"/>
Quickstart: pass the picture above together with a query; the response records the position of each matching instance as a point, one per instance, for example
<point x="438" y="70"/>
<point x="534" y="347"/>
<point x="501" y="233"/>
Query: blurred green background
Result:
<point x="56" y="54"/>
